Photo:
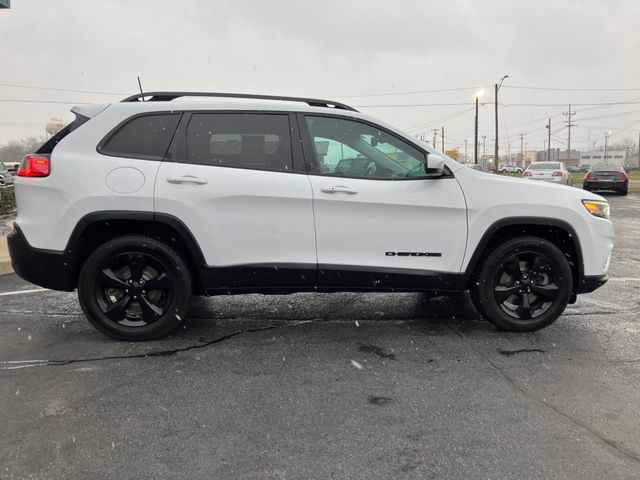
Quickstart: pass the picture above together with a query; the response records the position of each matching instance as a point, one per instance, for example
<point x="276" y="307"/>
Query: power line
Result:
<point x="44" y="101"/>
<point x="390" y="94"/>
<point x="574" y="89"/>
<point x="33" y="87"/>
<point x="505" y="105"/>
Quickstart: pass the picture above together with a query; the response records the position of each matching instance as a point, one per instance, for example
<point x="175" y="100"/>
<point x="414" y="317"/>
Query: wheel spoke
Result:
<point x="136" y="266"/>
<point x="107" y="278"/>
<point x="524" y="307"/>
<point x="150" y="312"/>
<point x="540" y="266"/>
<point x="502" y="293"/>
<point x="160" y="282"/>
<point x="512" y="267"/>
<point x="548" y="291"/>
<point x="116" y="311"/>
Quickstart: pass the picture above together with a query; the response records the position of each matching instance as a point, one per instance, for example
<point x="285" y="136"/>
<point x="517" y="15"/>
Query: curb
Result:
<point x="5" y="260"/>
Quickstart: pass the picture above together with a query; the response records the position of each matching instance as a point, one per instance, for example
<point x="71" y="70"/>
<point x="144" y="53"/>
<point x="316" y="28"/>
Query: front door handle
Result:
<point x="187" y="179"/>
<point x="339" y="189"/>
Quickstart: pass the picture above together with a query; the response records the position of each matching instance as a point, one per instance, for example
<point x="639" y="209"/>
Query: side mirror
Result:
<point x="435" y="166"/>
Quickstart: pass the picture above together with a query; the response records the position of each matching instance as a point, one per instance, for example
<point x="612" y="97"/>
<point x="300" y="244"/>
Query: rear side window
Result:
<point x="145" y="136"/>
<point x="240" y="140"/>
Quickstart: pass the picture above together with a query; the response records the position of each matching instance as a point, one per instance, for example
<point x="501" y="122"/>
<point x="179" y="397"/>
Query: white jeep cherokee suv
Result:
<point x="142" y="203"/>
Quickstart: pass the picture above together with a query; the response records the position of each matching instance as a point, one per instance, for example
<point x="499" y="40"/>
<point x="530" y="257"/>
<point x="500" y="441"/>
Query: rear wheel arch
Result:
<point x="97" y="228"/>
<point x="558" y="232"/>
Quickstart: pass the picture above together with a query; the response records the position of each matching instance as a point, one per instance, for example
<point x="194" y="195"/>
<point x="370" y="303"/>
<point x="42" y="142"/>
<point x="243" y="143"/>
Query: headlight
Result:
<point x="596" y="208"/>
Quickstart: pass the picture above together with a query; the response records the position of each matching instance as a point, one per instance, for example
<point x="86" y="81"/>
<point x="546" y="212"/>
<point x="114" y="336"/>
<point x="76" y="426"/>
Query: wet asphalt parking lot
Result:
<point x="319" y="386"/>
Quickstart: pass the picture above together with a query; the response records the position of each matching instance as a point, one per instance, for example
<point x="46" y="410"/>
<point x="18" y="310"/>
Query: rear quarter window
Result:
<point x="144" y="136"/>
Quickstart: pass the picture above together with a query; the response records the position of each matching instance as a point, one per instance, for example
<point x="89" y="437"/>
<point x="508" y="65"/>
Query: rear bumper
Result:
<point x="560" y="180"/>
<point x="46" y="268"/>
<point x="591" y="185"/>
<point x="591" y="283"/>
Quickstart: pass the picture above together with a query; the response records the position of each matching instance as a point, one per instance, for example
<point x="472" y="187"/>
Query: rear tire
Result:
<point x="134" y="288"/>
<point x="524" y="284"/>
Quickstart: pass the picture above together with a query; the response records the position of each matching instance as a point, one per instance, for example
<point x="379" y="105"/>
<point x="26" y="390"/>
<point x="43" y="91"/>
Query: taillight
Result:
<point x="623" y="176"/>
<point x="588" y="176"/>
<point x="526" y="173"/>
<point x="34" y="166"/>
<point x="558" y="173"/>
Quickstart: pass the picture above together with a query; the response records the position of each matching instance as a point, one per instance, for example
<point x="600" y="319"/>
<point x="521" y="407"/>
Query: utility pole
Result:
<point x="442" y="138"/>
<point x="606" y="143"/>
<point x="465" y="150"/>
<point x="521" y="149"/>
<point x="497" y="87"/>
<point x="496" y="111"/>
<point x="484" y="145"/>
<point x="435" y="136"/>
<point x="569" y="114"/>
<point x="548" y="125"/>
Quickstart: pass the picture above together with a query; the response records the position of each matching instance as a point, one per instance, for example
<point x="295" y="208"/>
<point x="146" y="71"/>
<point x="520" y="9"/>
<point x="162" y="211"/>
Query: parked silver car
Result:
<point x="5" y="177"/>
<point x="554" y="172"/>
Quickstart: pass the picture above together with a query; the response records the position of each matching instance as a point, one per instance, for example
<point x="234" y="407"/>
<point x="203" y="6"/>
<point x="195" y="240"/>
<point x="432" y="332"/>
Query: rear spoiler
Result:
<point x="89" y="111"/>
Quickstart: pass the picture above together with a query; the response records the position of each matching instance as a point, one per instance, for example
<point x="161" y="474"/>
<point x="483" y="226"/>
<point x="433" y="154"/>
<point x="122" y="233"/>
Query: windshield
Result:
<point x="544" y="166"/>
<point x="2" y="167"/>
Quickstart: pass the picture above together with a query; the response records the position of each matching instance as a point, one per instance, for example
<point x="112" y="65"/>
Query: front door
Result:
<point x="381" y="223"/>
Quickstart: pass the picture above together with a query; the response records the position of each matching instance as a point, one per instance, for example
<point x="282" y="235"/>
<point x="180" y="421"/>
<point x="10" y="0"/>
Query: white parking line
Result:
<point x="626" y="279"/>
<point x="18" y="292"/>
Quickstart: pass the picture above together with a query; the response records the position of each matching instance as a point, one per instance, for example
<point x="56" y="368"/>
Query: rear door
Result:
<point x="380" y="223"/>
<point x="237" y="181"/>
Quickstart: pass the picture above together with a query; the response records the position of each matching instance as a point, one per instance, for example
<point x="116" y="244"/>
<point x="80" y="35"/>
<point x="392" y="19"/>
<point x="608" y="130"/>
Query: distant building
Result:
<point x="570" y="160"/>
<point x="614" y="157"/>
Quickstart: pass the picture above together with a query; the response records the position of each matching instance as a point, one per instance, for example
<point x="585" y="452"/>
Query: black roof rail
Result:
<point x="168" y="96"/>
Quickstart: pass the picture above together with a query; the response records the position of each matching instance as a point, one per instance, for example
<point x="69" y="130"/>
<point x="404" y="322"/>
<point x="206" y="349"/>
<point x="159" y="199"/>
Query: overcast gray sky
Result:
<point x="347" y="50"/>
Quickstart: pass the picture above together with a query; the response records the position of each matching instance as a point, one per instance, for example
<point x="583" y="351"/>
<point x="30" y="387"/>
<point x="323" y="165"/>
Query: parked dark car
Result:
<point x="5" y="177"/>
<point x="606" y="177"/>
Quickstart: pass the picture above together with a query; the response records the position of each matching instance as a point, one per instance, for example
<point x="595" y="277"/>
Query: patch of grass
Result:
<point x="7" y="201"/>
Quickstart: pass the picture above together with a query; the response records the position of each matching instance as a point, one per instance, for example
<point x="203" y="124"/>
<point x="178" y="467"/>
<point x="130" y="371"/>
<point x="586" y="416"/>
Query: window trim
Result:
<point x="177" y="151"/>
<point x="114" y="131"/>
<point x="309" y="151"/>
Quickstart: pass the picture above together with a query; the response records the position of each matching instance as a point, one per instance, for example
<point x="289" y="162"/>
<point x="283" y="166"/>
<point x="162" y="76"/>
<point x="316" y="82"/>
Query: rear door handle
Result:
<point x="187" y="179"/>
<point x="339" y="189"/>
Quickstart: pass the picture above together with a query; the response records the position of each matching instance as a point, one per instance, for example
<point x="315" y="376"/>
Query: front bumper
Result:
<point x="592" y="283"/>
<point x="46" y="268"/>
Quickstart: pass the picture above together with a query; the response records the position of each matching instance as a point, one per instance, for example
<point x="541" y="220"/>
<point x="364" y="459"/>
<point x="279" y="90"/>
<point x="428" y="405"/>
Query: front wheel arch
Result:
<point x="558" y="232"/>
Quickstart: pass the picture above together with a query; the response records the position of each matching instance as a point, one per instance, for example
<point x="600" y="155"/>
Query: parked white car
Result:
<point x="141" y="204"/>
<point x="554" y="172"/>
<point x="510" y="169"/>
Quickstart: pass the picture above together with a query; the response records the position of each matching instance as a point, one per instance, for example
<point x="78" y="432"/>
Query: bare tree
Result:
<point x="14" y="150"/>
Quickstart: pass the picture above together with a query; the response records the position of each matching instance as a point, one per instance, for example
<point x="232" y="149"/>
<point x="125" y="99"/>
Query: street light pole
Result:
<point x="475" y="143"/>
<point x="497" y="87"/>
<point x="606" y="143"/>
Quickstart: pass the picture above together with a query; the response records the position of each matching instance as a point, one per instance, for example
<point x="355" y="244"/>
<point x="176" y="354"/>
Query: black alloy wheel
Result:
<point x="525" y="287"/>
<point x="524" y="284"/>
<point x="134" y="288"/>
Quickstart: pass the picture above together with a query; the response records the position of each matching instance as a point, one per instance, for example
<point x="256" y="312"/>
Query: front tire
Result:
<point x="524" y="284"/>
<point x="134" y="288"/>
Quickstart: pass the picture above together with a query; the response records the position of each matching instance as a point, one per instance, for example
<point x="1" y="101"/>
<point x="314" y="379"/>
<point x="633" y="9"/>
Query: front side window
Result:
<point x="353" y="149"/>
<point x="145" y="136"/>
<point x="240" y="140"/>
